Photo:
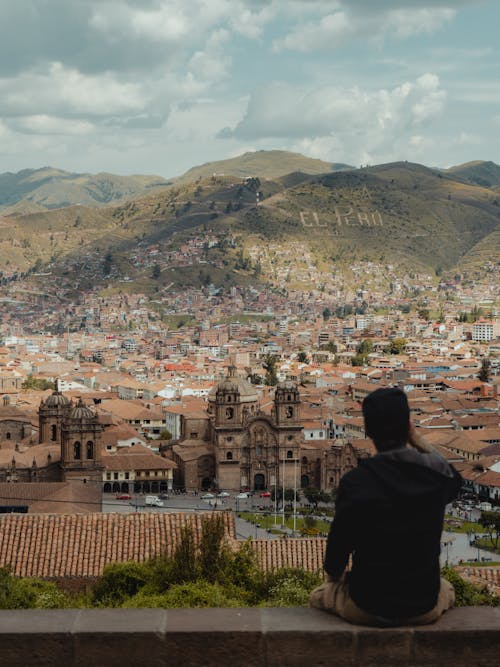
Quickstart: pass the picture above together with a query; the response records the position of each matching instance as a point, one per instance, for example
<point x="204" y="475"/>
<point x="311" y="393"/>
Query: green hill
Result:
<point x="480" y="172"/>
<point x="265" y="164"/>
<point x="54" y="188"/>
<point x="401" y="213"/>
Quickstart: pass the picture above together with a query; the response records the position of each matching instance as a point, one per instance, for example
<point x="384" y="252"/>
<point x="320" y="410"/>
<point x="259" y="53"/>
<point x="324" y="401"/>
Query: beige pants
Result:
<point x="333" y="596"/>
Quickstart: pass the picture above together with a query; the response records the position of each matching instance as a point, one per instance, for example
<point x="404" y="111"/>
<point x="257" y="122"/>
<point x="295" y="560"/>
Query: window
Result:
<point x="90" y="449"/>
<point x="289" y="437"/>
<point x="258" y="450"/>
<point x="289" y="412"/>
<point x="127" y="475"/>
<point x="53" y="432"/>
<point x="108" y="475"/>
<point x="289" y="454"/>
<point x="229" y="413"/>
<point x="115" y="475"/>
<point x="193" y="435"/>
<point x="229" y="456"/>
<point x="321" y="434"/>
<point x="7" y="436"/>
<point x="77" y="451"/>
<point x="229" y="438"/>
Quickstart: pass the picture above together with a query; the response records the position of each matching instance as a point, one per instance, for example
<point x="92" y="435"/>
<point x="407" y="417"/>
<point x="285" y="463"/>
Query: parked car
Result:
<point x="223" y="494"/>
<point x="123" y="496"/>
<point x="242" y="496"/>
<point x="207" y="496"/>
<point x="265" y="494"/>
<point x="153" y="501"/>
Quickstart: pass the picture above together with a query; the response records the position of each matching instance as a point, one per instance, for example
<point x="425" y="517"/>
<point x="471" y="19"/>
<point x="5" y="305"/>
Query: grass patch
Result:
<point x="266" y="522"/>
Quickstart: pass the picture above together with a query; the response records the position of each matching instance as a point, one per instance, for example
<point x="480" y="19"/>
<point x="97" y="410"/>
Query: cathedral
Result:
<point x="66" y="462"/>
<point x="238" y="445"/>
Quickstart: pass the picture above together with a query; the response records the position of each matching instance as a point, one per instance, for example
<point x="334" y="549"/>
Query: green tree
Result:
<point x="397" y="345"/>
<point x="38" y="383"/>
<point x="302" y="357"/>
<point x="327" y="313"/>
<point x="424" y="313"/>
<point x="485" y="371"/>
<point x="269" y="365"/>
<point x="491" y="523"/>
<point x="330" y="347"/>
<point x="315" y="496"/>
<point x="156" y="272"/>
<point x="108" y="263"/>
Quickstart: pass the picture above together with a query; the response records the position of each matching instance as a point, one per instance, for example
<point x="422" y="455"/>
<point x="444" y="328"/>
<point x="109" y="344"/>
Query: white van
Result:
<point x="485" y="507"/>
<point x="153" y="501"/>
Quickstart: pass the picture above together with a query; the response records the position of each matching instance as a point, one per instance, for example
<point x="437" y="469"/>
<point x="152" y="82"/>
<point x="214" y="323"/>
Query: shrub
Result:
<point x="466" y="594"/>
<point x="290" y="587"/>
<point x="190" y="594"/>
<point x="29" y="593"/>
<point x="120" y="581"/>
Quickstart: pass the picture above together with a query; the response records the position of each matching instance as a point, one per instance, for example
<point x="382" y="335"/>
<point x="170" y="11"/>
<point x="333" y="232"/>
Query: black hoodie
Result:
<point x="389" y="515"/>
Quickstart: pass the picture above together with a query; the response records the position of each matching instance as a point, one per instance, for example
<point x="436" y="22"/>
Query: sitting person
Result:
<point x="389" y="516"/>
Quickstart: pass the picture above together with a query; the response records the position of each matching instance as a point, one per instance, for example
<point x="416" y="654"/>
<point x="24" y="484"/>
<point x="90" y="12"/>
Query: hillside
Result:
<point x="53" y="188"/>
<point x="480" y="172"/>
<point x="232" y="231"/>
<point x="264" y="164"/>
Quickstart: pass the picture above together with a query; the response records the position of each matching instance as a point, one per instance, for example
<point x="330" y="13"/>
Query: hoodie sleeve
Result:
<point x="340" y="539"/>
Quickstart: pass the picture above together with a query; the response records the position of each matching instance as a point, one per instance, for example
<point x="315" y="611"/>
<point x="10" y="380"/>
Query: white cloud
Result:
<point x="66" y="91"/>
<point x="330" y="120"/>
<point x="51" y="125"/>
<point x="346" y="23"/>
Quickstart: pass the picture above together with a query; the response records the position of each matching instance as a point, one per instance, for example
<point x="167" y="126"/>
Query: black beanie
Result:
<point x="387" y="417"/>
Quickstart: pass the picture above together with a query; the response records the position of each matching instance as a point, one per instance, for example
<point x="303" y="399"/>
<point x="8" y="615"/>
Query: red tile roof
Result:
<point x="71" y="545"/>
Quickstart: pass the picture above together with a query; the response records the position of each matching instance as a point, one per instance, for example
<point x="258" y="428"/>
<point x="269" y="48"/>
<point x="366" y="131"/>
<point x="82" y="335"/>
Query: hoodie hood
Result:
<point x="405" y="472"/>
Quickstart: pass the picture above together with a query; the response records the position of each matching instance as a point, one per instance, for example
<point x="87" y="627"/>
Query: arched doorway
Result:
<point x="259" y="482"/>
<point x="304" y="481"/>
<point x="205" y="484"/>
<point x="107" y="487"/>
<point x="124" y="488"/>
<point x="116" y="487"/>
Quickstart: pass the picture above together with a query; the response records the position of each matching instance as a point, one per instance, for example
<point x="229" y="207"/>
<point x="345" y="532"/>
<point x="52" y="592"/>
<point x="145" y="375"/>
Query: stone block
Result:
<point x="214" y="637"/>
<point x="114" y="637"/>
<point x="37" y="637"/>
<point x="465" y="637"/>
<point x="301" y="636"/>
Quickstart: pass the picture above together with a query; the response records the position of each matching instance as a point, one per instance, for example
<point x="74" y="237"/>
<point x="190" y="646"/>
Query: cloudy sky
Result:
<point x="157" y="86"/>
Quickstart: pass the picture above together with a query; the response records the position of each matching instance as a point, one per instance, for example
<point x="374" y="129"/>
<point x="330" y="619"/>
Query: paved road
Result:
<point x="454" y="546"/>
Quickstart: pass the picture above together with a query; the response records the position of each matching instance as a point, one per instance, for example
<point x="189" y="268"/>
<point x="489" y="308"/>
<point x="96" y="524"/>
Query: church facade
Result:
<point x="243" y="447"/>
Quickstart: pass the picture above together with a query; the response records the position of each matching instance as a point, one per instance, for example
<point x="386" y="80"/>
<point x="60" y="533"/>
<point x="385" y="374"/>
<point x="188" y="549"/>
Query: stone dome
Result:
<point x="287" y="385"/>
<point x="234" y="384"/>
<point x="57" y="400"/>
<point x="81" y="411"/>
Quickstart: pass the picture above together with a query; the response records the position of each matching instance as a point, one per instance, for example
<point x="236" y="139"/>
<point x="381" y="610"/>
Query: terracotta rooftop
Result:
<point x="307" y="553"/>
<point x="71" y="545"/>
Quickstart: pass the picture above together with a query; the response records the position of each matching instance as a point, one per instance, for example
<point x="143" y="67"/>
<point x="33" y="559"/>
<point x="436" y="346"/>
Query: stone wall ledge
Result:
<point x="263" y="637"/>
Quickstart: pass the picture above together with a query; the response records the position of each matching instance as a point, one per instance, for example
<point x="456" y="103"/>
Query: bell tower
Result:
<point x="81" y="445"/>
<point x="287" y="404"/>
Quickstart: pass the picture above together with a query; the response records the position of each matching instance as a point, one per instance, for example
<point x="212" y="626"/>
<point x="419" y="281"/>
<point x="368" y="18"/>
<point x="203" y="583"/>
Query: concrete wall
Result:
<point x="466" y="637"/>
